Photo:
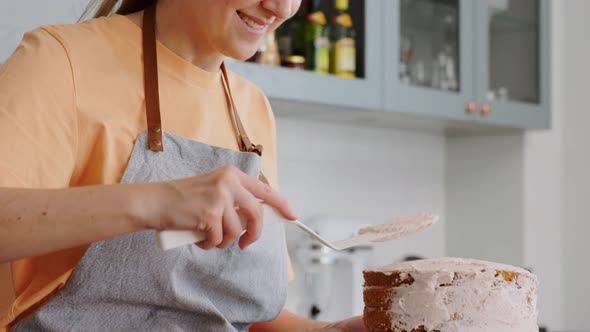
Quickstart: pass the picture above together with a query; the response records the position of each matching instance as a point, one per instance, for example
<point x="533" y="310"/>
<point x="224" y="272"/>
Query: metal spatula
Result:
<point x="391" y="230"/>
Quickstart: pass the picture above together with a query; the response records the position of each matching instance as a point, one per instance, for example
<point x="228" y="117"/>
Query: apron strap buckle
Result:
<point x="256" y="149"/>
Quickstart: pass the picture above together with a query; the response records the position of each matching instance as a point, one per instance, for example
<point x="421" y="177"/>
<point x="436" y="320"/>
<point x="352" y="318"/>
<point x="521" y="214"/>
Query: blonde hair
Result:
<point x="108" y="7"/>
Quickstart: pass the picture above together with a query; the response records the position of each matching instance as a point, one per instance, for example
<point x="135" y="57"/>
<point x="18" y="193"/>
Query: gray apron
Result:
<point x="129" y="284"/>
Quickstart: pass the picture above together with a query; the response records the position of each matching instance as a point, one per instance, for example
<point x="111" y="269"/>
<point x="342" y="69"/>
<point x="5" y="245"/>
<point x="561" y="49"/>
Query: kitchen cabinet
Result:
<point x="513" y="74"/>
<point x="452" y="63"/>
<point x="429" y="57"/>
<point x="482" y="61"/>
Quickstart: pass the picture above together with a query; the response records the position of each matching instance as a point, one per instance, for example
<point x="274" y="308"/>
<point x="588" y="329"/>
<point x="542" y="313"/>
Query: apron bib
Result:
<point x="129" y="284"/>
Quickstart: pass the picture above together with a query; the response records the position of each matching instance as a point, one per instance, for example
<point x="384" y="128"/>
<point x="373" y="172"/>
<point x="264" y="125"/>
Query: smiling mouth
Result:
<point x="252" y="22"/>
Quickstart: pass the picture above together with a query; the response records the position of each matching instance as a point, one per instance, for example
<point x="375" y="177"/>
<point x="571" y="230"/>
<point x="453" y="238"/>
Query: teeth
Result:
<point x="251" y="23"/>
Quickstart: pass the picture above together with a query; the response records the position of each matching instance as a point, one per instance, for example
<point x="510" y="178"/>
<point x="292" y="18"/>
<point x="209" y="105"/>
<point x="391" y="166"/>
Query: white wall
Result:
<point x="366" y="174"/>
<point x="576" y="136"/>
<point x="17" y="17"/>
<point x="558" y="181"/>
<point x="544" y="189"/>
<point x="484" y="198"/>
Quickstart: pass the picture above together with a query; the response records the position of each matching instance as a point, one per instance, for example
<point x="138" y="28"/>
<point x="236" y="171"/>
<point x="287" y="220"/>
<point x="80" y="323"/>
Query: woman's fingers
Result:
<point x="250" y="209"/>
<point x="232" y="227"/>
<point x="211" y="224"/>
<point x="212" y="199"/>
<point x="269" y="195"/>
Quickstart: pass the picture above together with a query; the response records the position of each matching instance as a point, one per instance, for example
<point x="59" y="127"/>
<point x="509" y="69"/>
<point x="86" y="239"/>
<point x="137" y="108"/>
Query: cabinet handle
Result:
<point x="471" y="107"/>
<point x="486" y="109"/>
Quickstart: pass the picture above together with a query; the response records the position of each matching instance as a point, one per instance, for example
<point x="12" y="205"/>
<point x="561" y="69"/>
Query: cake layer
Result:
<point x="378" y="297"/>
<point x="377" y="320"/>
<point x="450" y="295"/>
<point x="391" y="279"/>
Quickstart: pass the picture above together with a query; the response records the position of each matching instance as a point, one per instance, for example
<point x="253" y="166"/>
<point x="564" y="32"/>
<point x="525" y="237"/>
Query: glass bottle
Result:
<point x="299" y="23"/>
<point x="270" y="55"/>
<point x="317" y="44"/>
<point x="342" y="42"/>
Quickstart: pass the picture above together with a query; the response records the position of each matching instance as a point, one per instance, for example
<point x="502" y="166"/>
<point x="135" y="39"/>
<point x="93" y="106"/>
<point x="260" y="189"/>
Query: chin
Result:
<point x="239" y="49"/>
<point x="241" y="54"/>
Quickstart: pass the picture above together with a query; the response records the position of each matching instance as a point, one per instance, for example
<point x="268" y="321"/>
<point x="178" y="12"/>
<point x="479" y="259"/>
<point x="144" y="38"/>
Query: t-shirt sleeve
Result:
<point x="38" y="129"/>
<point x="270" y="150"/>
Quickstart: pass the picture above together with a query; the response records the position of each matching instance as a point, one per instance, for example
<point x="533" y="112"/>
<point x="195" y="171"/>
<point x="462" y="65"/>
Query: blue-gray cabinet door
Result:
<point x="512" y="62"/>
<point x="428" y="58"/>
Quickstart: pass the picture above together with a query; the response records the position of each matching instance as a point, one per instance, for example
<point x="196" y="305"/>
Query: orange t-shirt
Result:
<point x="71" y="107"/>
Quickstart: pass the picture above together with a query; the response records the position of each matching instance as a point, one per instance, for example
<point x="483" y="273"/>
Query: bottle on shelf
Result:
<point x="406" y="54"/>
<point x="286" y="36"/>
<point x="270" y="56"/>
<point x="267" y="52"/>
<point x="342" y="42"/>
<point x="299" y="23"/>
<point x="317" y="43"/>
<point x="293" y="62"/>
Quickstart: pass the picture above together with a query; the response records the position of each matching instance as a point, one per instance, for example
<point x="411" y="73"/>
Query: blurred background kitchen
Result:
<point x="476" y="110"/>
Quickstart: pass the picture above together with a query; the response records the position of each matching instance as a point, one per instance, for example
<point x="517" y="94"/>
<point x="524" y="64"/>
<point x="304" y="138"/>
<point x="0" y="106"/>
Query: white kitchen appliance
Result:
<point x="328" y="283"/>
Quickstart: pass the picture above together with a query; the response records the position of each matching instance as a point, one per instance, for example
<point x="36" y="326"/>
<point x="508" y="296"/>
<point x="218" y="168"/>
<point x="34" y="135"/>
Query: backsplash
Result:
<point x="362" y="174"/>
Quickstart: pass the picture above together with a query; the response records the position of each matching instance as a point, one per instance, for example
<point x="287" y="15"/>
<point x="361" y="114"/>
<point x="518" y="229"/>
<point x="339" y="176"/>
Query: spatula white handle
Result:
<point x="172" y="239"/>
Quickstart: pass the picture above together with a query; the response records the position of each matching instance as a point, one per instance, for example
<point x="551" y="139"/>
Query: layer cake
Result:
<point x="450" y="295"/>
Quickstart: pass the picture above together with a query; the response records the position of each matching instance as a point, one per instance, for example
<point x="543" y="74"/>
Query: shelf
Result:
<point x="304" y="86"/>
<point x="441" y="125"/>
<point x="313" y="97"/>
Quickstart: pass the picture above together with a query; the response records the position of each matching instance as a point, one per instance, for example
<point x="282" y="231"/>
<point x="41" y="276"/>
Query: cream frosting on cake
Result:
<point x="462" y="295"/>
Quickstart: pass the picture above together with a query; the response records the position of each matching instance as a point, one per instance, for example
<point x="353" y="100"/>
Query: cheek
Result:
<point x="295" y="6"/>
<point x="239" y="4"/>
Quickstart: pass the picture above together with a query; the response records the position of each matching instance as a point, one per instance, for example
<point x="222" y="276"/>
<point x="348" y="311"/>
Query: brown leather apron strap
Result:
<point x="152" y="92"/>
<point x="243" y="140"/>
<point x="150" y="73"/>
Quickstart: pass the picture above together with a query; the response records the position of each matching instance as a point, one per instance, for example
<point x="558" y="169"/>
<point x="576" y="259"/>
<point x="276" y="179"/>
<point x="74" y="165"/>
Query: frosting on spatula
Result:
<point x="400" y="227"/>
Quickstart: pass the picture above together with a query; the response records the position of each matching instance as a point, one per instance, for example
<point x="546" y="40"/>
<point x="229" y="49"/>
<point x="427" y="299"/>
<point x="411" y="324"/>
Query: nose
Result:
<point x="281" y="9"/>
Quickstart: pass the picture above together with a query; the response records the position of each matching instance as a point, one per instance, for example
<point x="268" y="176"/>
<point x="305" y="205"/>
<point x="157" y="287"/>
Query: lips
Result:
<point x="255" y="22"/>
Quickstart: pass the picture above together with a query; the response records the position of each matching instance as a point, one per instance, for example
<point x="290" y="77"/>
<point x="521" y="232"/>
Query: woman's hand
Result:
<point x="289" y="322"/>
<point x="213" y="203"/>
<point x="354" y="324"/>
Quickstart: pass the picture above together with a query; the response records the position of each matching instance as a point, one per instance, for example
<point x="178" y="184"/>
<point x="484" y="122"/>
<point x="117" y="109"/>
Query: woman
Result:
<point x="109" y="135"/>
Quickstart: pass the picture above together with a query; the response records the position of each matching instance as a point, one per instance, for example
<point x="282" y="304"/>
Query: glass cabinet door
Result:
<point x="513" y="60"/>
<point x="513" y="50"/>
<point x="429" y="65"/>
<point x="429" y="44"/>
